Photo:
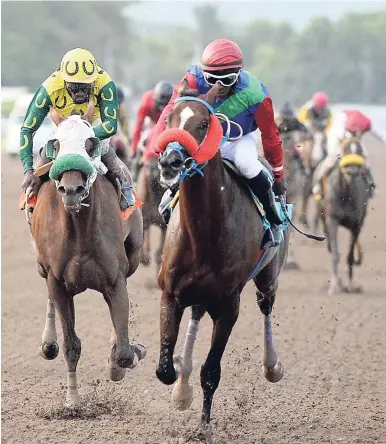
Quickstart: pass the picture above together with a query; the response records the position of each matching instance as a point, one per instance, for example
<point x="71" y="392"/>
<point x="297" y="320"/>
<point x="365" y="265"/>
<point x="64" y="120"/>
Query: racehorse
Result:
<point x="82" y="242"/>
<point x="293" y="171"/>
<point x="212" y="241"/>
<point x="312" y="155"/>
<point x="150" y="191"/>
<point x="345" y="204"/>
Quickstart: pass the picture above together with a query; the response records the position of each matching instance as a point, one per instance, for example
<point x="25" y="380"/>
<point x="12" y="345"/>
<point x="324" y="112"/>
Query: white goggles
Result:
<point x="225" y="80"/>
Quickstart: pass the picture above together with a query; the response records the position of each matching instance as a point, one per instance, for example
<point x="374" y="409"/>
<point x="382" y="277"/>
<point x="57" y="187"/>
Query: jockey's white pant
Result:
<point x="243" y="153"/>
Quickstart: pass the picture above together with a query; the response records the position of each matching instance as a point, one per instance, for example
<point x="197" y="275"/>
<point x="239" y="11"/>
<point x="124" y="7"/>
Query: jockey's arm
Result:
<point x="36" y="113"/>
<point x="141" y="116"/>
<point x="188" y="82"/>
<point x="108" y="105"/>
<point x="272" y="145"/>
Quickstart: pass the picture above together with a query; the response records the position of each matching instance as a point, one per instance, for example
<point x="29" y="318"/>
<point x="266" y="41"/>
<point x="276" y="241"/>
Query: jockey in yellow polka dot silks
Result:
<point x="70" y="89"/>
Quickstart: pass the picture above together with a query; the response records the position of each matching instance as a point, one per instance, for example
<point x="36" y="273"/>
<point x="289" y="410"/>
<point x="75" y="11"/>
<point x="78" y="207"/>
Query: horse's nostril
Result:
<point x="80" y="190"/>
<point x="61" y="189"/>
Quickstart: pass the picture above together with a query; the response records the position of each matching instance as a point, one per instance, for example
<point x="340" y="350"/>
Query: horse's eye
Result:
<point x="203" y="126"/>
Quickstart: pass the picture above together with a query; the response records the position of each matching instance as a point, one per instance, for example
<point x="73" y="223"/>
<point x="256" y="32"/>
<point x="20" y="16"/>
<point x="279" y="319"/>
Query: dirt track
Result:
<point x="333" y="348"/>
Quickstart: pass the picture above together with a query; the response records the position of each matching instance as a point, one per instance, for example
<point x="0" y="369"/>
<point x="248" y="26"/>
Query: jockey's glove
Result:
<point x="279" y="187"/>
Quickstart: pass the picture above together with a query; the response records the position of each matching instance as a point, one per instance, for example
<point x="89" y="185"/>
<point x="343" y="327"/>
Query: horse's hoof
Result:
<point x="72" y="402"/>
<point x="274" y="374"/>
<point x="292" y="265"/>
<point x="167" y="378"/>
<point x="116" y="373"/>
<point x="49" y="351"/>
<point x="140" y="351"/>
<point x="357" y="289"/>
<point x="182" y="395"/>
<point x="335" y="289"/>
<point x="145" y="261"/>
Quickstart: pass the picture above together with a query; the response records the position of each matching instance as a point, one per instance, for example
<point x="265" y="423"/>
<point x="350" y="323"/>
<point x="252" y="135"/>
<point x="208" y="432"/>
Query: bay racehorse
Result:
<point x="312" y="154"/>
<point x="345" y="204"/>
<point x="294" y="174"/>
<point x="82" y="242"/>
<point x="212" y="241"/>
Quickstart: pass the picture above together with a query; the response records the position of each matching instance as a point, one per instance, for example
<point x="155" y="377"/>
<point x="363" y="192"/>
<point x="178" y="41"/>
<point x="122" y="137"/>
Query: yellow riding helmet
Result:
<point x="78" y="66"/>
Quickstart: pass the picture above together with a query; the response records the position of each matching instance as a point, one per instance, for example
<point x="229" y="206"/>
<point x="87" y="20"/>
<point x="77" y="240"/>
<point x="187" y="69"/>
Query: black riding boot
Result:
<point x="261" y="187"/>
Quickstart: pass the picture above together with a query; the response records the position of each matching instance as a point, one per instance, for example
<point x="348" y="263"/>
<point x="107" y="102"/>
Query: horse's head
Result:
<point x="75" y="152"/>
<point x="192" y="137"/>
<point x="352" y="161"/>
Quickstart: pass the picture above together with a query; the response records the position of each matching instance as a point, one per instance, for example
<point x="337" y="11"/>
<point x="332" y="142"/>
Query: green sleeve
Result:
<point x="36" y="113"/>
<point x="108" y="106"/>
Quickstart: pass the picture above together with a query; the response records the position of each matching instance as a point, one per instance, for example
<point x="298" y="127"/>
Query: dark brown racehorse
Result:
<point x="150" y="192"/>
<point x="211" y="245"/>
<point x="294" y="174"/>
<point x="345" y="204"/>
<point x="82" y="242"/>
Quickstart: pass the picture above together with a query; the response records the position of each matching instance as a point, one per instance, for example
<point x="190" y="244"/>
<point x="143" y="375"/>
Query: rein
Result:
<point x="191" y="167"/>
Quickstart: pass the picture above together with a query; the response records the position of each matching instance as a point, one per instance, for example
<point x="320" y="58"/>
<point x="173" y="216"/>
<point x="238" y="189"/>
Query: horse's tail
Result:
<point x="358" y="254"/>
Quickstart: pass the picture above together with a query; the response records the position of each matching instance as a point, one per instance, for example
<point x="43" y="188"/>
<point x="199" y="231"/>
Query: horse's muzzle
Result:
<point x="72" y="196"/>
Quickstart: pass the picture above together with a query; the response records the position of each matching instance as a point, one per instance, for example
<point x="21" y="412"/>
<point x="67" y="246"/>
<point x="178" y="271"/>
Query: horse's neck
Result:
<point x="203" y="201"/>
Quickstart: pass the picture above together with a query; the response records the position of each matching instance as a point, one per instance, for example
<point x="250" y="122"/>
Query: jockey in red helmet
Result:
<point x="316" y="114"/>
<point x="243" y="99"/>
<point x="152" y="104"/>
<point x="347" y="123"/>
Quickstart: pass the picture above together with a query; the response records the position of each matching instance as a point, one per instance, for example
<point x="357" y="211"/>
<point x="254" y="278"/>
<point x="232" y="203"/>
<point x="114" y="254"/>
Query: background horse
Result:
<point x="212" y="241"/>
<point x="82" y="242"/>
<point x="312" y="154"/>
<point x="294" y="174"/>
<point x="150" y="191"/>
<point x="345" y="204"/>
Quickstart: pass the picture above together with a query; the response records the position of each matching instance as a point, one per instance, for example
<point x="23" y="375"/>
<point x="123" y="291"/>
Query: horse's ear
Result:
<point x="89" y="114"/>
<point x="212" y="94"/>
<point x="56" y="117"/>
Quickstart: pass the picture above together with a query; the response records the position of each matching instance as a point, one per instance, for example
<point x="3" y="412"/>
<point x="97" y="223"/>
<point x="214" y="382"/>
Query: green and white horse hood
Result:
<point x="72" y="134"/>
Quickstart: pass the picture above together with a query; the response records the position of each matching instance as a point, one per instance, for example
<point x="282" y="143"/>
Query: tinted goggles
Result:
<point x="225" y="80"/>
<point x="75" y="87"/>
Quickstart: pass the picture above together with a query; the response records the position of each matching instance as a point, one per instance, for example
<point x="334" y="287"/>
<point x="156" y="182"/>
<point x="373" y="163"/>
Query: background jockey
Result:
<point x="316" y="114"/>
<point x="348" y="123"/>
<point x="78" y="81"/>
<point x="152" y="104"/>
<point x="123" y="120"/>
<point x="245" y="100"/>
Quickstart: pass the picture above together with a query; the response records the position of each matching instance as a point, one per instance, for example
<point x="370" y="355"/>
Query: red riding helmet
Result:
<point x="221" y="54"/>
<point x="320" y="100"/>
<point x="357" y="123"/>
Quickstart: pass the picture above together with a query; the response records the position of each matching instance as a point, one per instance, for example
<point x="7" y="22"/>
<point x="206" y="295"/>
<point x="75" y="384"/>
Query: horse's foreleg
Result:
<point x="273" y="369"/>
<point x="49" y="348"/>
<point x="145" y="253"/>
<point x="64" y="303"/>
<point x="352" y="287"/>
<point x="291" y="263"/>
<point x="122" y="355"/>
<point x="332" y="233"/>
<point x="182" y="395"/>
<point x="158" y="254"/>
<point x="170" y="319"/>
<point x="211" y="369"/>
